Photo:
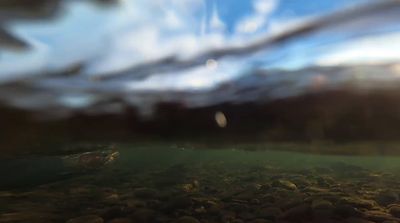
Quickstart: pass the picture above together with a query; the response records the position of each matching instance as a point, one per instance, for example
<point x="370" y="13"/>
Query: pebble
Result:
<point x="357" y="220"/>
<point x="316" y="189"/>
<point x="347" y="211"/>
<point x="178" y="203"/>
<point x="144" y="215"/>
<point x="121" y="220"/>
<point x="27" y="216"/>
<point x="297" y="213"/>
<point x="145" y="193"/>
<point x="227" y="216"/>
<point x="394" y="210"/>
<point x="321" y="204"/>
<point x="111" y="212"/>
<point x="387" y="197"/>
<point x="260" y="221"/>
<point x="187" y="219"/>
<point x="270" y="213"/>
<point x="358" y="202"/>
<point x="285" y="184"/>
<point x="86" y="219"/>
<point x="378" y="216"/>
<point x="322" y="209"/>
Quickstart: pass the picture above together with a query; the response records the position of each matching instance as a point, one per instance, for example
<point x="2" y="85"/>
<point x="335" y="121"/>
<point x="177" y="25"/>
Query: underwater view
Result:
<point x="199" y="111"/>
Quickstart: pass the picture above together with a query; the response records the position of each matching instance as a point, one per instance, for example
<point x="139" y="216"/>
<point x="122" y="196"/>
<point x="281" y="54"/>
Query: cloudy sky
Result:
<point x="138" y="31"/>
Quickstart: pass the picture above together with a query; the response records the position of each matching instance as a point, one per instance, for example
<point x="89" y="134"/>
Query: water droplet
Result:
<point x="212" y="64"/>
<point x="220" y="119"/>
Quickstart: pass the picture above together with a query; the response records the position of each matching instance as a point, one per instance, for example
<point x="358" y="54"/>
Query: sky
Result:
<point x="139" y="31"/>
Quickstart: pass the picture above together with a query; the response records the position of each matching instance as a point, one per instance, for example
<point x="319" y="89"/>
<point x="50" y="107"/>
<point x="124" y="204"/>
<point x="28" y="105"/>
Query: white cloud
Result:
<point x="373" y="49"/>
<point x="216" y="24"/>
<point x="250" y="24"/>
<point x="201" y="77"/>
<point x="259" y="19"/>
<point x="264" y="6"/>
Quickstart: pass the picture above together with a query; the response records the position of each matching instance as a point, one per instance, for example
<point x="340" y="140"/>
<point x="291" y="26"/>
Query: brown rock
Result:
<point x="285" y="184"/>
<point x="187" y="219"/>
<point x="387" y="197"/>
<point x="121" y="220"/>
<point x="347" y="211"/>
<point x="145" y="193"/>
<point x="144" y="215"/>
<point x="269" y="213"/>
<point x="357" y="220"/>
<point x="395" y="210"/>
<point x="321" y="204"/>
<point x="260" y="221"/>
<point x="86" y="219"/>
<point x="297" y="213"/>
<point x="358" y="202"/>
<point x="379" y="216"/>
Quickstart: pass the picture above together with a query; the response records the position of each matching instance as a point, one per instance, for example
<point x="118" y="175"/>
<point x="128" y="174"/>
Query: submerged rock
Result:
<point x="121" y="220"/>
<point x="357" y="202"/>
<point x="144" y="215"/>
<point x="357" y="220"/>
<point x="28" y="216"/>
<point x="395" y="210"/>
<point x="145" y="193"/>
<point x="86" y="219"/>
<point x="297" y="213"/>
<point x="321" y="204"/>
<point x="347" y="211"/>
<point x="284" y="184"/>
<point x="270" y="213"/>
<point x="91" y="160"/>
<point x="387" y="197"/>
<point x="187" y="219"/>
<point x="379" y="216"/>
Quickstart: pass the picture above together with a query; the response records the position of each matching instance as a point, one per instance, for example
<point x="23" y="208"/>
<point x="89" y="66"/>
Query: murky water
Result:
<point x="157" y="183"/>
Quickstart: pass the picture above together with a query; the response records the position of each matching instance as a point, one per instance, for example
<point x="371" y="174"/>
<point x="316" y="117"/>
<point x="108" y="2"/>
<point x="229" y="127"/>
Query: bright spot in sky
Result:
<point x="211" y="64"/>
<point x="220" y="119"/>
<point x="396" y="69"/>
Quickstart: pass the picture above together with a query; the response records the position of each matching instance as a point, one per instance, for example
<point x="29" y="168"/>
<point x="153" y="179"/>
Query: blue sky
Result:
<point x="232" y="11"/>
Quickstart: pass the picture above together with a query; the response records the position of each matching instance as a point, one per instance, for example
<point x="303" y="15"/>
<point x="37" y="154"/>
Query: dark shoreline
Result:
<point x="323" y="119"/>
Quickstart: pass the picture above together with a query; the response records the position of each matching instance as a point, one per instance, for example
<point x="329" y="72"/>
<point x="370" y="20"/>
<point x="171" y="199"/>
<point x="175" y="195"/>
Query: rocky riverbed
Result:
<point x="213" y="190"/>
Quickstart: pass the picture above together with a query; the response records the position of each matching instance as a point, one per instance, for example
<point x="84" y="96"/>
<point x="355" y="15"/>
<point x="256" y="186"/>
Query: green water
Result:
<point x="165" y="183"/>
<point x="159" y="155"/>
